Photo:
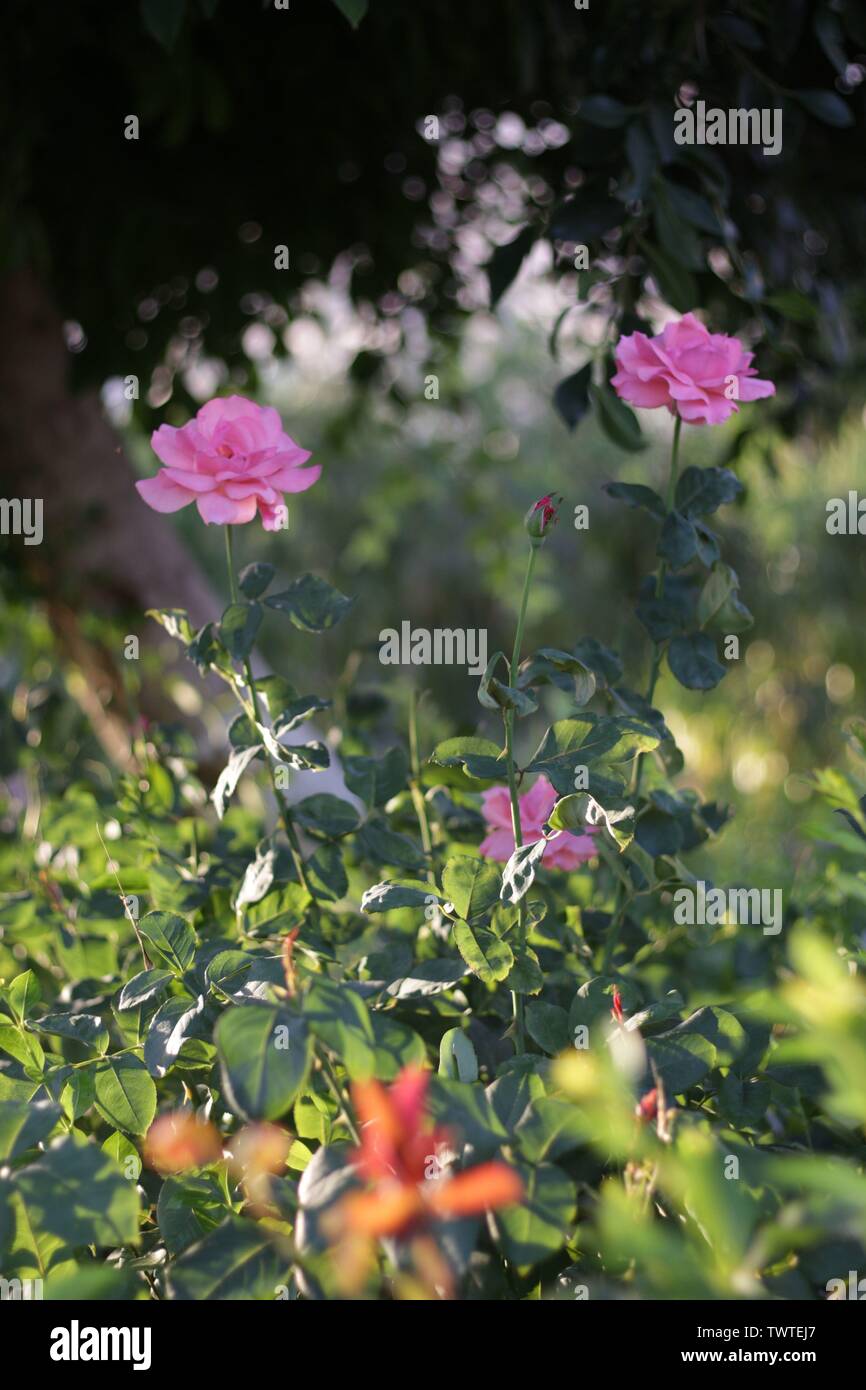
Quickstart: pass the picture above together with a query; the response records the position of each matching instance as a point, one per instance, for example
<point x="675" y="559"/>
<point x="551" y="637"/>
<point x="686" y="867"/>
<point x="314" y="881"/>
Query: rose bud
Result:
<point x="647" y="1107"/>
<point x="177" y="1141"/>
<point x="616" y="1011"/>
<point x="541" y="516"/>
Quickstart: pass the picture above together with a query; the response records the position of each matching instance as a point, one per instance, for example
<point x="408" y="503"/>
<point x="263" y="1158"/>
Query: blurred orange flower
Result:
<point x="398" y="1158"/>
<point x="177" y="1141"/>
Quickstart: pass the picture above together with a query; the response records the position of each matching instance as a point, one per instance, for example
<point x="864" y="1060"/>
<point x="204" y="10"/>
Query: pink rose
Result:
<point x="698" y="375"/>
<point x="566" y="851"/>
<point x="231" y="460"/>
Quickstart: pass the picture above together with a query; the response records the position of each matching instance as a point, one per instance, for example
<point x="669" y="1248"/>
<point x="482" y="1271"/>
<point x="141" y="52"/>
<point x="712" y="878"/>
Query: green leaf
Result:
<point x="721" y="583"/>
<point x="480" y="759"/>
<point x="572" y="743"/>
<point x="238" y="1260"/>
<point x="551" y="666"/>
<point x="87" y="1029"/>
<point x="701" y="491"/>
<point x="457" y="1057"/>
<point x="125" y="1154"/>
<point x="399" y="892"/>
<point x="709" y="1038"/>
<point x="376" y="780"/>
<point x="677" y="237"/>
<point x="539" y="1226"/>
<point x="125" y="1095"/>
<point x="23" y="1124"/>
<point x="396" y="1046"/>
<point x="467" y="1113"/>
<point x="643" y="160"/>
<point x="24" y="1047"/>
<point x="617" y="420"/>
<point x="603" y="110"/>
<point x="676" y="284"/>
<point x="518" y="875"/>
<point x="163" y="20"/>
<point x="146" y="985"/>
<point x="678" y="541"/>
<point x="487" y="956"/>
<point x="504" y="264"/>
<point x="175" y="621"/>
<point x="170" y="938"/>
<point x="636" y="495"/>
<point x="547" y="1024"/>
<point x="282" y="910"/>
<point x="312" y="604"/>
<point x="693" y="661"/>
<point x="571" y="397"/>
<point x="590" y="214"/>
<point x="377" y="842"/>
<point x="694" y="208"/>
<point x="238" y="628"/>
<point x="188" y="1208"/>
<point x="255" y="578"/>
<point x="326" y="873"/>
<point x="471" y="884"/>
<point x="24" y="994"/>
<point x="339" y="1017"/>
<point x="828" y="107"/>
<point x="793" y="305"/>
<point x="265" y="1056"/>
<point x="78" y="1194"/>
<point x="428" y="977"/>
<point x="549" y="1128"/>
<point x="171" y="1026"/>
<point x="575" y="812"/>
<point x="493" y="694"/>
<point x="354" y="10"/>
<point x="325" y="814"/>
<point x="526" y="976"/>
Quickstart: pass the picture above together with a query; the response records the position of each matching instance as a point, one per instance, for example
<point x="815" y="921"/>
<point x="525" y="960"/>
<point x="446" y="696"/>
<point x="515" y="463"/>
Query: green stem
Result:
<point x="614" y="930"/>
<point x="230" y="562"/>
<point x="339" y="1096"/>
<point x="658" y="649"/>
<point x="517" y="999"/>
<point x="415" y="785"/>
<point x="285" y="813"/>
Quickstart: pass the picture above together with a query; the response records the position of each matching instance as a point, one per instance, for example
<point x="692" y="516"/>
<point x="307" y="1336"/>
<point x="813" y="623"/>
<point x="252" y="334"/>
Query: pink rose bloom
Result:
<point x="698" y="375"/>
<point x="566" y="851"/>
<point x="231" y="460"/>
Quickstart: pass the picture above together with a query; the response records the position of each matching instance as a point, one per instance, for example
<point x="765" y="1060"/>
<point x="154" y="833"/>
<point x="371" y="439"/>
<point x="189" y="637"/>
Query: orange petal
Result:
<point x="381" y="1130"/>
<point x="408" y="1094"/>
<point x="385" y="1212"/>
<point x="484" y="1188"/>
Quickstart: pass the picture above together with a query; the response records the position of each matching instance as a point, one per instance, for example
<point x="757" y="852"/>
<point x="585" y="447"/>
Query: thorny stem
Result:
<point x="254" y="712"/>
<point x="517" y="999"/>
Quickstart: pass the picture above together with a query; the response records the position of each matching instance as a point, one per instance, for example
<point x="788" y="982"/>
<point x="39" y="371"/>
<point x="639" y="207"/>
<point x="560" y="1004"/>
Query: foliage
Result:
<point x="682" y="1104"/>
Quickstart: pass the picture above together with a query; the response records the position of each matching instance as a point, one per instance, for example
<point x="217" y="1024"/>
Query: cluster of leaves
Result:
<point x="252" y="975"/>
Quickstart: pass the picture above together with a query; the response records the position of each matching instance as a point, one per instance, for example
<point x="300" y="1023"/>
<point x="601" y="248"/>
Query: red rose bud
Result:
<point x="647" y="1107"/>
<point x="616" y="1011"/>
<point x="541" y="516"/>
